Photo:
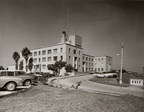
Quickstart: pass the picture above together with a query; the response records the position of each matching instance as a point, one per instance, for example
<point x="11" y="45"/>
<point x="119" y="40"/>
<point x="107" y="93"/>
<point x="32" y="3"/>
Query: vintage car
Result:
<point x="27" y="79"/>
<point x="9" y="82"/>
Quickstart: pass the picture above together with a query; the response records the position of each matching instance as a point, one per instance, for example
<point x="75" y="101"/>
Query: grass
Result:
<point x="43" y="98"/>
<point x="108" y="81"/>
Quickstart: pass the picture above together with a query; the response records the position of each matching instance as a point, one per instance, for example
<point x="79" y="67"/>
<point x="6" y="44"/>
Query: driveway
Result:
<point x="96" y="87"/>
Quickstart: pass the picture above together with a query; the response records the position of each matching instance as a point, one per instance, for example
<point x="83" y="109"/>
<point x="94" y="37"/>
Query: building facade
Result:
<point x="103" y="64"/>
<point x="69" y="50"/>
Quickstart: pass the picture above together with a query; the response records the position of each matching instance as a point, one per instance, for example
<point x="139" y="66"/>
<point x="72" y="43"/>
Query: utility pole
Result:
<point x="143" y="77"/>
<point x="121" y="69"/>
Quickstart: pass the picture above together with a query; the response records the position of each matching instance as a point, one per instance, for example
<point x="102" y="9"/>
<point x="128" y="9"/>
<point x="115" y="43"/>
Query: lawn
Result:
<point x="44" y="98"/>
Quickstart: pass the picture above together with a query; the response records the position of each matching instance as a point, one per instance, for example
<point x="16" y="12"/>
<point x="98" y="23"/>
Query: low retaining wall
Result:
<point x="137" y="82"/>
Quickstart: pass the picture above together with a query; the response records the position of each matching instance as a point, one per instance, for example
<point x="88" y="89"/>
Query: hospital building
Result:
<point x="70" y="50"/>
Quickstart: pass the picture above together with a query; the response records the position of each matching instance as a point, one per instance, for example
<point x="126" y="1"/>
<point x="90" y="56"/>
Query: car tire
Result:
<point x="27" y="82"/>
<point x="11" y="86"/>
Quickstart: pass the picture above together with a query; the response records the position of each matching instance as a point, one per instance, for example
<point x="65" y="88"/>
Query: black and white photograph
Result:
<point x="71" y="56"/>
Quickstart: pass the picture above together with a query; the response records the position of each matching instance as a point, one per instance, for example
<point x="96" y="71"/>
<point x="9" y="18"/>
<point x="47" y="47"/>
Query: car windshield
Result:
<point x="17" y="73"/>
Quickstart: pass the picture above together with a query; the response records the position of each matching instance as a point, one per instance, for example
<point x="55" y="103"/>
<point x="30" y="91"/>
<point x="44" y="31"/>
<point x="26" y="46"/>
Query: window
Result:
<point x="79" y="59"/>
<point x="39" y="52"/>
<point x="35" y="59"/>
<point x="102" y="59"/>
<point x="61" y="57"/>
<point x="69" y="57"/>
<point x="49" y="51"/>
<point x="95" y="69"/>
<point x="99" y="59"/>
<point x="79" y="52"/>
<point x="10" y="73"/>
<point x="43" y="66"/>
<point x="89" y="59"/>
<point x="3" y="74"/>
<point x="49" y="59"/>
<point x="69" y="50"/>
<point x="61" y="50"/>
<point x="55" y="51"/>
<point x="74" y="51"/>
<point x="86" y="58"/>
<point x="43" y="52"/>
<point x="101" y="69"/>
<point x="83" y="57"/>
<point x="43" y="59"/>
<point x="55" y="58"/>
<point x="35" y="53"/>
<point x="98" y="69"/>
<point x="17" y="73"/>
<point x="39" y="59"/>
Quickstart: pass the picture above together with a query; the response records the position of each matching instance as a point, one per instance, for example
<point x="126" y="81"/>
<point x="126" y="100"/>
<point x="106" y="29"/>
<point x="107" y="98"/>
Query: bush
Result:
<point x="45" y="76"/>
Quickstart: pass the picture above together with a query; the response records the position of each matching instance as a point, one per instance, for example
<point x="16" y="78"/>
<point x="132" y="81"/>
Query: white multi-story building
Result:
<point x="102" y="64"/>
<point x="69" y="50"/>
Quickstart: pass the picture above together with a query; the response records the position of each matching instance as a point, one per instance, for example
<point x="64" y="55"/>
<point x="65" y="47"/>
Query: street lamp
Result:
<point x="122" y="47"/>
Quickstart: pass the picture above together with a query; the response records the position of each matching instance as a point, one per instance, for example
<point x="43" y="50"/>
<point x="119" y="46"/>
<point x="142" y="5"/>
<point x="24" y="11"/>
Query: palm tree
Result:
<point x="21" y="65"/>
<point x="25" y="53"/>
<point x="30" y="64"/>
<point x="16" y="57"/>
<point x="1" y="67"/>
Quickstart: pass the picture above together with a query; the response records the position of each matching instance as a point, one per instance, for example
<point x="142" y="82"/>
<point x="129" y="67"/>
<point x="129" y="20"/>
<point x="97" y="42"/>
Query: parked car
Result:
<point x="9" y="82"/>
<point x="114" y="75"/>
<point x="99" y="75"/>
<point x="103" y="75"/>
<point x="27" y="79"/>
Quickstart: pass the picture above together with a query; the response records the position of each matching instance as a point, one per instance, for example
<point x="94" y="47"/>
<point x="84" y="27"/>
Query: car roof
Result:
<point x="11" y="70"/>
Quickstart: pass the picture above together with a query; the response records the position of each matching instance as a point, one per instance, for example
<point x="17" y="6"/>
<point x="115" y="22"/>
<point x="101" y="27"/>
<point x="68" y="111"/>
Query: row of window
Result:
<point x="54" y="58"/>
<point x="87" y="69"/>
<point x="87" y="59"/>
<point x="99" y="69"/>
<point x="88" y="64"/>
<point x="44" y="66"/>
<point x="44" y="52"/>
<point x="74" y="51"/>
<point x="99" y="59"/>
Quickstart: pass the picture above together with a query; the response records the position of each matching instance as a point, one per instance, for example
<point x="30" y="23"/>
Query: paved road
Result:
<point x="96" y="87"/>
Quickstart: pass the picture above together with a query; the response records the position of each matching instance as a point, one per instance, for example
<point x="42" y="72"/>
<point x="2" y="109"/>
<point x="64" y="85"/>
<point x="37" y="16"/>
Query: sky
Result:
<point x="102" y="24"/>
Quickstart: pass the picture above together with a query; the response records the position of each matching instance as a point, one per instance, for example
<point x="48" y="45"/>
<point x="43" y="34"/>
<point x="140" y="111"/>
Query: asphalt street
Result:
<point x="96" y="87"/>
